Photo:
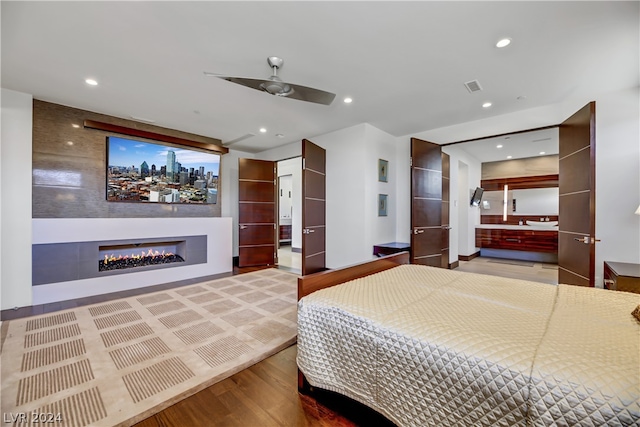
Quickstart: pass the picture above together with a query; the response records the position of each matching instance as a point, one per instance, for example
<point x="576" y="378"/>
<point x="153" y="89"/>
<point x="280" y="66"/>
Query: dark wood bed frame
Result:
<point x="326" y="279"/>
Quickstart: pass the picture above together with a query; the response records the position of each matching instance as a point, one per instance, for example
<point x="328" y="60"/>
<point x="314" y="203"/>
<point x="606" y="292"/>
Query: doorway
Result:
<point x="289" y="174"/>
<point x="526" y="162"/>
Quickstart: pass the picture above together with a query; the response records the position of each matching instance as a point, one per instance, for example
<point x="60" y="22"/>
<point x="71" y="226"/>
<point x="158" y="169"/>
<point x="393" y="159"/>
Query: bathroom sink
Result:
<point x="543" y="223"/>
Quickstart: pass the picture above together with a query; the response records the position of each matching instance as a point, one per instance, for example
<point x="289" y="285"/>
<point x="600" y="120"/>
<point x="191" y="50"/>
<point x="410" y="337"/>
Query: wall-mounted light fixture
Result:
<point x="638" y="211"/>
<point x="505" y="203"/>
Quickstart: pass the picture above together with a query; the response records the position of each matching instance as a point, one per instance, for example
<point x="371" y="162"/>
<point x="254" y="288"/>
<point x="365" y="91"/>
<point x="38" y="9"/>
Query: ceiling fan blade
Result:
<point x="301" y="93"/>
<point x="252" y="83"/>
<point x="309" y="94"/>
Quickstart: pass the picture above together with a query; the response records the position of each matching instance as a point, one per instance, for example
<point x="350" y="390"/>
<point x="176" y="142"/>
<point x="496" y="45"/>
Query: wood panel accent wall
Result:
<point x="69" y="167"/>
<point x="529" y="166"/>
<point x="519" y="183"/>
<point x="513" y="219"/>
<point x="139" y="133"/>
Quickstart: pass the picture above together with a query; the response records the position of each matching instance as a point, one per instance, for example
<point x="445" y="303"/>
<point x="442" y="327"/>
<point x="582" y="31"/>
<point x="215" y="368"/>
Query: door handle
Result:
<point x="417" y="231"/>
<point x="586" y="240"/>
<point x="242" y="227"/>
<point x="308" y="231"/>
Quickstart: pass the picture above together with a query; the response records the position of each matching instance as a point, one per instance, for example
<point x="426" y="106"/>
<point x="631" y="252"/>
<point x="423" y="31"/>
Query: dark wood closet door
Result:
<point x="576" y="220"/>
<point x="313" y="208"/>
<point x="257" y="209"/>
<point x="445" y="210"/>
<point x="426" y="203"/>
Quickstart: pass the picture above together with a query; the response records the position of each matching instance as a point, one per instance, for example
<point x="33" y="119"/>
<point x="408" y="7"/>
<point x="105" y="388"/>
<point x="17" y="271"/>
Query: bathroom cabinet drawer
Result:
<point x="519" y="240"/>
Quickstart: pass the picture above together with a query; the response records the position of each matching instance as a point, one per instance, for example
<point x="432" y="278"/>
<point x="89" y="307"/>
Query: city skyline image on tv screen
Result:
<point x="140" y="171"/>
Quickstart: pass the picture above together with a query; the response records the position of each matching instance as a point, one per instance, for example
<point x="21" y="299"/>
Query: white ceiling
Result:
<point x="403" y="63"/>
<point x="542" y="142"/>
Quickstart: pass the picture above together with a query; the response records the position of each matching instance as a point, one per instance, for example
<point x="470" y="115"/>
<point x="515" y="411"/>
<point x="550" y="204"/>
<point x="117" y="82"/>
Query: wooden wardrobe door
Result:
<point x="257" y="207"/>
<point x="426" y="203"/>
<point x="313" y="208"/>
<point x="577" y="187"/>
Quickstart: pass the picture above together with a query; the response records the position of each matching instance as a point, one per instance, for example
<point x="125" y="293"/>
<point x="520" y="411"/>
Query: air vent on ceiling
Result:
<point x="243" y="137"/>
<point x="540" y="140"/>
<point x="473" y="86"/>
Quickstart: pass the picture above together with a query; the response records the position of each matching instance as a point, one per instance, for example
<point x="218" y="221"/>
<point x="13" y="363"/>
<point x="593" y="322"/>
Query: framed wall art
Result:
<point x="383" y="170"/>
<point x="382" y="204"/>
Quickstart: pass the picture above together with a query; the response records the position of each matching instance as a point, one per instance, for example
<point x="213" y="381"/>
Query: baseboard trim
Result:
<point x="469" y="257"/>
<point x="454" y="265"/>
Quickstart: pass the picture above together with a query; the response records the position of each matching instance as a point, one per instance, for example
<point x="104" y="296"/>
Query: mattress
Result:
<point x="428" y="346"/>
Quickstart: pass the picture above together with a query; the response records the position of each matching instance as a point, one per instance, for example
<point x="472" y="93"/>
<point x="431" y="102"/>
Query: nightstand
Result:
<point x="390" y="248"/>
<point x="622" y="276"/>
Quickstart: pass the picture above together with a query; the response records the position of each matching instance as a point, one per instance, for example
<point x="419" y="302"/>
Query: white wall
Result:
<point x="379" y="229"/>
<point x="15" y="199"/>
<point x="403" y="190"/>
<point x="617" y="177"/>
<point x="346" y="201"/>
<point x="467" y="216"/>
<point x="293" y="167"/>
<point x="461" y="231"/>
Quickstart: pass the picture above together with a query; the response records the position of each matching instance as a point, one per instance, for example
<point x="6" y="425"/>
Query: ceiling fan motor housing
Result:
<point x="274" y="61"/>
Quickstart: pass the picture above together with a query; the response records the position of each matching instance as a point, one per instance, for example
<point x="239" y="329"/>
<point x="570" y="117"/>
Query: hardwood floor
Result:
<point x="266" y="394"/>
<point x="525" y="270"/>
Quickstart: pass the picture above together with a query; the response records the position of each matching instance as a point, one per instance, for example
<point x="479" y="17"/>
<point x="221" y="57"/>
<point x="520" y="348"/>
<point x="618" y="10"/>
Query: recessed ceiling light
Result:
<point x="279" y="135"/>
<point x="486" y="105"/>
<point x="69" y="142"/>
<point x="503" y="43"/>
<point x="509" y="157"/>
<point x="91" y="82"/>
<point x="542" y="152"/>
<point x="263" y="130"/>
<point x="75" y="126"/>
<point x="348" y="100"/>
<point x="499" y="146"/>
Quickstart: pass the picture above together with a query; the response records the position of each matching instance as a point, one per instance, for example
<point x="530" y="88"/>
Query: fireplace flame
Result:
<point x="150" y="253"/>
<point x="145" y="257"/>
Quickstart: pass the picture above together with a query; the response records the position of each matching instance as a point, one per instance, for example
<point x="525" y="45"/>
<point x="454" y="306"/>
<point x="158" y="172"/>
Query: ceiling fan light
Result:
<point x="275" y="87"/>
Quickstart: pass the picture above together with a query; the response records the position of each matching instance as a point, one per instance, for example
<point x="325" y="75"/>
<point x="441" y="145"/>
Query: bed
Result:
<point x="428" y="346"/>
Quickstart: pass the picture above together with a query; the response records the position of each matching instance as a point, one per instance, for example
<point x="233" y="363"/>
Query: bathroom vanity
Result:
<point x="541" y="242"/>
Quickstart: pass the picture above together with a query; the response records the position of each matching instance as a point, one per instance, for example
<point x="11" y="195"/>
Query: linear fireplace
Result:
<point x="66" y="252"/>
<point x="64" y="262"/>
<point x="137" y="255"/>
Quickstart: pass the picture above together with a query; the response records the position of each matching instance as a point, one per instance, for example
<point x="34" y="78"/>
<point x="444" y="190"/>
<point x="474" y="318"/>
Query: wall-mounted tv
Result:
<point x="476" y="198"/>
<point x="156" y="173"/>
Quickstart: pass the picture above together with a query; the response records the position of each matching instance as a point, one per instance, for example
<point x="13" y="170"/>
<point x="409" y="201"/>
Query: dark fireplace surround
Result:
<point x="64" y="262"/>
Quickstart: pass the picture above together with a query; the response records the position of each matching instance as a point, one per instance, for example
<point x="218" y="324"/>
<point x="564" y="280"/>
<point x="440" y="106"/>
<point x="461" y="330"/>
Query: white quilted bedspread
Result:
<point x="427" y="346"/>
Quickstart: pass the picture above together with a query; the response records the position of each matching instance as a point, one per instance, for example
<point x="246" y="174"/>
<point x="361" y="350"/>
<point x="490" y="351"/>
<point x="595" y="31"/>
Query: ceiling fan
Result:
<point x="275" y="86"/>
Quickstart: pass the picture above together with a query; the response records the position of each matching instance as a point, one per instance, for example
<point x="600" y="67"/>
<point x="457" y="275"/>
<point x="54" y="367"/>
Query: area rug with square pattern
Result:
<point x="116" y="363"/>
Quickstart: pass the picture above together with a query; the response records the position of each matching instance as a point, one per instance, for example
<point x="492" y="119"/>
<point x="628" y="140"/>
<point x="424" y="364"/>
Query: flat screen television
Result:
<point x="477" y="196"/>
<point x="157" y="173"/>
